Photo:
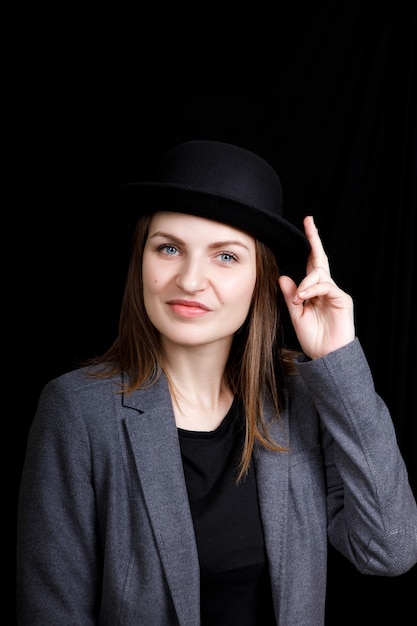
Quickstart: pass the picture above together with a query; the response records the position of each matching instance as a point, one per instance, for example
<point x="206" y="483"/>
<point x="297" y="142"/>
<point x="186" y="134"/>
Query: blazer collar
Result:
<point x="154" y="438"/>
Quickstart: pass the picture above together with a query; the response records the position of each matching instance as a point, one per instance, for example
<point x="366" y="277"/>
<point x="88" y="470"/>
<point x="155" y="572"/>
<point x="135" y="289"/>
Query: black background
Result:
<point x="326" y="92"/>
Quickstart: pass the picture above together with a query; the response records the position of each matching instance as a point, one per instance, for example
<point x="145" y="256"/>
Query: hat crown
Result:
<point x="222" y="169"/>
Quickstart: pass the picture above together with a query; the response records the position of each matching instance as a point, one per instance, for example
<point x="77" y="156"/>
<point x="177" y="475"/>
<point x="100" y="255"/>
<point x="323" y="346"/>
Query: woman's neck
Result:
<point x="200" y="394"/>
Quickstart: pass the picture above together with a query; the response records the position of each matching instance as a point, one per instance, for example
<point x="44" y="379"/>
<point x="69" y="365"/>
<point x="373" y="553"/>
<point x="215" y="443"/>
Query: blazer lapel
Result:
<point x="272" y="475"/>
<point x="154" y="439"/>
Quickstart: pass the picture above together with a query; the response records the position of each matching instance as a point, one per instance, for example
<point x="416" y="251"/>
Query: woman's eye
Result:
<point x="227" y="257"/>
<point x="168" y="249"/>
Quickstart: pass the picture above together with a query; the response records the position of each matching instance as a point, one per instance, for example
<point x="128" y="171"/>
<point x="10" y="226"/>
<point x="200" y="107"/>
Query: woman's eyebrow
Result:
<point x="170" y="236"/>
<point x="228" y="242"/>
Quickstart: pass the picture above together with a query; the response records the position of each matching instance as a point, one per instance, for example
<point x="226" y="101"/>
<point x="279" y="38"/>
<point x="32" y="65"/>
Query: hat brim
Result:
<point x="287" y="242"/>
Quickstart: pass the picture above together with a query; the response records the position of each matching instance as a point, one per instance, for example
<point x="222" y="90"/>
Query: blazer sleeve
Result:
<point x="57" y="553"/>
<point x="372" y="512"/>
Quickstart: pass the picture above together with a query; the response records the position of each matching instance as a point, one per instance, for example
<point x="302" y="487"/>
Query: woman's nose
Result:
<point x="192" y="277"/>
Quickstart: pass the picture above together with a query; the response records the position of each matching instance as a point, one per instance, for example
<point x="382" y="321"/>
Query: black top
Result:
<point x="235" y="584"/>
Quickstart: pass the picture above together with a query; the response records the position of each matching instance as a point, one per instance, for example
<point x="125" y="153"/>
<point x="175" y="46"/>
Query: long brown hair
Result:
<point x="257" y="363"/>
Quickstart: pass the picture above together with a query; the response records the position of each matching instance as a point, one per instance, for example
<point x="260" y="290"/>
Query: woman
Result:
<point x="195" y="472"/>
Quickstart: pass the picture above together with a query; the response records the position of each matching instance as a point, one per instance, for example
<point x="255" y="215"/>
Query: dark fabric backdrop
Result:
<point x="326" y="92"/>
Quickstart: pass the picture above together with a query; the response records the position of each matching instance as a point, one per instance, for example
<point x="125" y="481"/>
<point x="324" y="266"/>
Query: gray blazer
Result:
<point x="105" y="534"/>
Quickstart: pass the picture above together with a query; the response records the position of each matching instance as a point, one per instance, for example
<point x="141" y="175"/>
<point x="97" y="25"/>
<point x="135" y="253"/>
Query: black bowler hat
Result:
<point x="226" y="183"/>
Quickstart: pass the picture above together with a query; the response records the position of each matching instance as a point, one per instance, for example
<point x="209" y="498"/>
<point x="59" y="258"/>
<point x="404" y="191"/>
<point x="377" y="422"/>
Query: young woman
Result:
<point x="195" y="472"/>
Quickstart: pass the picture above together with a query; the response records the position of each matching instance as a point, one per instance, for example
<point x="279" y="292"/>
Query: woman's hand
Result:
<point x="321" y="313"/>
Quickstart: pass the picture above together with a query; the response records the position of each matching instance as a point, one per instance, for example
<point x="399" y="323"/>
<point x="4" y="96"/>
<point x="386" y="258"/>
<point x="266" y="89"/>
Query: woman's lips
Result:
<point x="188" y="308"/>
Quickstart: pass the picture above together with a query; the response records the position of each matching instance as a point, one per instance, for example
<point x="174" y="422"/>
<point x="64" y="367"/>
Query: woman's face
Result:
<point x="198" y="278"/>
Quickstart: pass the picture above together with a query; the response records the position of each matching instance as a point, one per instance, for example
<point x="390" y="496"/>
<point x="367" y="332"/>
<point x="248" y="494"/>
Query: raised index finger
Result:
<point x="317" y="256"/>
